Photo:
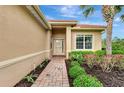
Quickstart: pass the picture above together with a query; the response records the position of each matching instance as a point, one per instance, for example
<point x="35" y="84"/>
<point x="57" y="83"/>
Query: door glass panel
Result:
<point x="58" y="46"/>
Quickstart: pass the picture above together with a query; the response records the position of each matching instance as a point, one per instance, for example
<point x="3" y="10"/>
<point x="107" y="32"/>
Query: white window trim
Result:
<point x="84" y="42"/>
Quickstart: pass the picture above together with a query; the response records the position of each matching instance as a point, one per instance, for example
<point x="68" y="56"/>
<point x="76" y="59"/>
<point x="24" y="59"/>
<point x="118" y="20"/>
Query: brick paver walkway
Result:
<point x="54" y="75"/>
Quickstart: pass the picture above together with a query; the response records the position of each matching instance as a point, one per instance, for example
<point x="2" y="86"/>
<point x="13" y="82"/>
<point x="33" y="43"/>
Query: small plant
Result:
<point x="119" y="61"/>
<point x="107" y="64"/>
<point x="100" y="52"/>
<point x="46" y="60"/>
<point x="30" y="78"/>
<point x="87" y="81"/>
<point x="74" y="63"/>
<point x="43" y="63"/>
<point x="90" y="60"/>
<point x="76" y="71"/>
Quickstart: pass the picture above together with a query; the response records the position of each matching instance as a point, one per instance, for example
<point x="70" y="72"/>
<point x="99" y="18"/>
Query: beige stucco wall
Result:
<point x="11" y="74"/>
<point x="96" y="39"/>
<point x="58" y="33"/>
<point x="68" y="41"/>
<point x="20" y="35"/>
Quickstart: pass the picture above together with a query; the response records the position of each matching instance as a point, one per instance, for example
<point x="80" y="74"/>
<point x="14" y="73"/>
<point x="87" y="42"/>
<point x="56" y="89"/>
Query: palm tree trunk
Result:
<point x="108" y="14"/>
<point x="109" y="37"/>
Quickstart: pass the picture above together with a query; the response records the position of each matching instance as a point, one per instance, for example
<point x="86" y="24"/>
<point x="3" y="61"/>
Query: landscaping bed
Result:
<point x="28" y="80"/>
<point x="115" y="78"/>
<point x="95" y="69"/>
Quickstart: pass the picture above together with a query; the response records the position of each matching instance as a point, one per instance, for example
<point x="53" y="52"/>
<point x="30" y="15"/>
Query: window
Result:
<point x="88" y="41"/>
<point x="84" y="42"/>
<point x="79" y="42"/>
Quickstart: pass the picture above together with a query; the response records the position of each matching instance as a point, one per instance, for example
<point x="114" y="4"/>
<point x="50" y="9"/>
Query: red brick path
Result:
<point x="54" y="75"/>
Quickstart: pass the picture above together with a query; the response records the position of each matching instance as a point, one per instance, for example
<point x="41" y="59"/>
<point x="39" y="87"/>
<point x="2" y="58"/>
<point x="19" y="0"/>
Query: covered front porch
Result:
<point x="61" y="37"/>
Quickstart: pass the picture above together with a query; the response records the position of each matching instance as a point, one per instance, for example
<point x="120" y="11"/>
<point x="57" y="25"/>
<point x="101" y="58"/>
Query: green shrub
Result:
<point x="87" y="52"/>
<point x="78" y="55"/>
<point x="74" y="63"/>
<point x="100" y="52"/>
<point x="117" y="51"/>
<point x="86" y="81"/>
<point x="76" y="71"/>
<point x="118" y="44"/>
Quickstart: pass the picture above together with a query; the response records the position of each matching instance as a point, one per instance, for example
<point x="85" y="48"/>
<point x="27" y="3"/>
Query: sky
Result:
<point x="74" y="12"/>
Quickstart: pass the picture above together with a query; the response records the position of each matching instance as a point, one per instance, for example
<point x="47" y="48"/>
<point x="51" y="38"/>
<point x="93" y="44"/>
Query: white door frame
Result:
<point x="62" y="46"/>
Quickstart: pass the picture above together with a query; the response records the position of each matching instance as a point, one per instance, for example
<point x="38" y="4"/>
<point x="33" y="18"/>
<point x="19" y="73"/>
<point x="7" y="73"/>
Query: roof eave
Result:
<point x="77" y="28"/>
<point x="35" y="11"/>
<point x="63" y="23"/>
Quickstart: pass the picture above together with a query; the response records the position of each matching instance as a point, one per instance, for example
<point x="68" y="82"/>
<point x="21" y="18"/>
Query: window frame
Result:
<point x="76" y="40"/>
<point x="84" y="35"/>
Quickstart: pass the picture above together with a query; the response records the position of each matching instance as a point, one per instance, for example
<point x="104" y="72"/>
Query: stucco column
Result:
<point x="48" y="43"/>
<point x="68" y="41"/>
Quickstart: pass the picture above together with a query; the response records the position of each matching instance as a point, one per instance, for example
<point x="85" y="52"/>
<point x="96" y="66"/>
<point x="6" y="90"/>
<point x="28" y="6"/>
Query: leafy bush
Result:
<point x="100" y="52"/>
<point x="76" y="71"/>
<point x="87" y="52"/>
<point x="76" y="56"/>
<point x="87" y="81"/>
<point x="74" y="63"/>
<point x="117" y="51"/>
<point x="118" y="43"/>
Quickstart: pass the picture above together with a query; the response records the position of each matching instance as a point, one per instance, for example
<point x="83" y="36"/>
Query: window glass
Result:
<point x="88" y="41"/>
<point x="79" y="42"/>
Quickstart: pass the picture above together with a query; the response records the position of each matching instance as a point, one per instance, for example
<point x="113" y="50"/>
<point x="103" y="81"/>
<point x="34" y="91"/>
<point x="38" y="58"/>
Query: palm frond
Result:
<point x="122" y="18"/>
<point x="87" y="10"/>
<point x="118" y="8"/>
<point x="84" y="6"/>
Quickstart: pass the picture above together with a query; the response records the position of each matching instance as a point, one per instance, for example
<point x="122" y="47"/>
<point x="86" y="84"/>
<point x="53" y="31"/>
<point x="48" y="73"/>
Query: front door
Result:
<point x="58" y="47"/>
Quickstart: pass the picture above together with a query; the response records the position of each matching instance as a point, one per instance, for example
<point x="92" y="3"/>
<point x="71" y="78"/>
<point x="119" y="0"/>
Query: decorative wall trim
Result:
<point x="18" y="59"/>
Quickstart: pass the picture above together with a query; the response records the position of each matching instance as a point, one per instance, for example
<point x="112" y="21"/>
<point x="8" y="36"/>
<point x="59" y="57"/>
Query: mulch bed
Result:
<point x="36" y="72"/>
<point x="115" y="78"/>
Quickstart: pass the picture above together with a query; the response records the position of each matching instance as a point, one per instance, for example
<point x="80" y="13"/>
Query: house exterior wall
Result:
<point x="96" y="39"/>
<point x="24" y="44"/>
<point x="70" y="39"/>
